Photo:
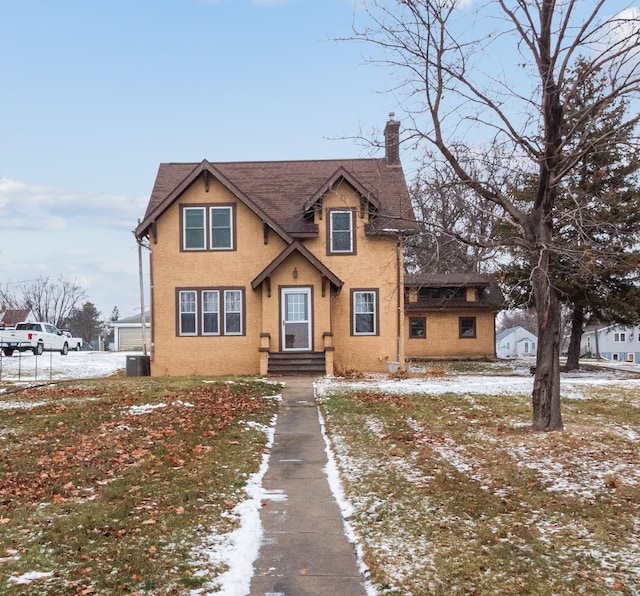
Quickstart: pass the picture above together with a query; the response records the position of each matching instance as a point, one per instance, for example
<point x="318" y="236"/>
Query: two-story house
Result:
<point x="258" y="267"/>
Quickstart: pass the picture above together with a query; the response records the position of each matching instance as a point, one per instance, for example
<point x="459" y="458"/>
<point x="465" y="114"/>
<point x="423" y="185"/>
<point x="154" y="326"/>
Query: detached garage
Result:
<point x="127" y="334"/>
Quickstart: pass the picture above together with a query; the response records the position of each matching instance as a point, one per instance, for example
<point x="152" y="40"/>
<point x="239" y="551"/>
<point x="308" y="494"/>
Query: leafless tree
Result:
<point x="453" y="225"/>
<point x="491" y="78"/>
<point x="51" y="300"/>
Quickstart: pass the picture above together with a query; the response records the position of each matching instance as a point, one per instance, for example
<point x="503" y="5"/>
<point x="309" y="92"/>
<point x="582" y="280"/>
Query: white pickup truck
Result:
<point x="75" y="343"/>
<point x="36" y="337"/>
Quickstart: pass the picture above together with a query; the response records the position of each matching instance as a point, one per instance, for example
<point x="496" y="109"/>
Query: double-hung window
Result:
<point x="188" y="312"/>
<point x="210" y="311"/>
<point x="233" y="312"/>
<point x="209" y="227"/>
<point x="341" y="238"/>
<point x="221" y="228"/>
<point x="194" y="228"/>
<point x="364" y="308"/>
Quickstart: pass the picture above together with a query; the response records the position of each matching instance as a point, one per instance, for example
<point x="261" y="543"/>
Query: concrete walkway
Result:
<point x="304" y="551"/>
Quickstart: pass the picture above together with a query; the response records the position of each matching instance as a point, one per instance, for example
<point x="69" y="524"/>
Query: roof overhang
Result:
<point x="307" y="255"/>
<point x="341" y="174"/>
<point x="206" y="169"/>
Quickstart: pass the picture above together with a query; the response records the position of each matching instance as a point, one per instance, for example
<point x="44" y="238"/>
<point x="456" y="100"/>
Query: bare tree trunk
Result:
<point x="546" y="385"/>
<point x="577" y="326"/>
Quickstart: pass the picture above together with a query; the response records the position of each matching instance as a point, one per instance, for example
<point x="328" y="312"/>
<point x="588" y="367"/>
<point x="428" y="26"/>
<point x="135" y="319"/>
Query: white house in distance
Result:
<point x="127" y="333"/>
<point x="621" y="344"/>
<point x="515" y="342"/>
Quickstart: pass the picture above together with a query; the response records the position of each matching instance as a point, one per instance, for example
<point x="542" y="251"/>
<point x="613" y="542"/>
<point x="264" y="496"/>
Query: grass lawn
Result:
<point x="112" y="486"/>
<point x="454" y="494"/>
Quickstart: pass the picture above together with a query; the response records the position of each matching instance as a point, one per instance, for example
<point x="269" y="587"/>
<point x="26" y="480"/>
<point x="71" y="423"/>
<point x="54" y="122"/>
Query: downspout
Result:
<point x="399" y="289"/>
<point x="142" y="313"/>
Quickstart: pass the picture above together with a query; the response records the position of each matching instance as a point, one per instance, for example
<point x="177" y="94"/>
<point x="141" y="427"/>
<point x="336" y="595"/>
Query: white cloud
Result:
<point x="41" y="208"/>
<point x="622" y="33"/>
<point x="86" y="237"/>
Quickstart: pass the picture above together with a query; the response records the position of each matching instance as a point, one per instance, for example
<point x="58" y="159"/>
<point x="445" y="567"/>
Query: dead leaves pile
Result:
<point x="71" y="458"/>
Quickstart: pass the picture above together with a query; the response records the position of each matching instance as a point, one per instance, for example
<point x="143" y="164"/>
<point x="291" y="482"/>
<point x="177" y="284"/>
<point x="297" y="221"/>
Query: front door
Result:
<point x="296" y="318"/>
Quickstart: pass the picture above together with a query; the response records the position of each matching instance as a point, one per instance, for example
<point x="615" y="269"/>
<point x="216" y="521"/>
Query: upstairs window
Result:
<point x="209" y="227"/>
<point x="194" y="228"/>
<point x="341" y="238"/>
<point x="364" y="312"/>
<point x="221" y="228"/>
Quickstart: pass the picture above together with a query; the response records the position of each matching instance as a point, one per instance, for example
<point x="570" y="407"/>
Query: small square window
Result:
<point x="417" y="327"/>
<point x="467" y="327"/>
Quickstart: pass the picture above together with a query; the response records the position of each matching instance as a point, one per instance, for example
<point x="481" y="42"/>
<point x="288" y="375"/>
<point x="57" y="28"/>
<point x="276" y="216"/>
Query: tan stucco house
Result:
<point x="273" y="267"/>
<point x="292" y="267"/>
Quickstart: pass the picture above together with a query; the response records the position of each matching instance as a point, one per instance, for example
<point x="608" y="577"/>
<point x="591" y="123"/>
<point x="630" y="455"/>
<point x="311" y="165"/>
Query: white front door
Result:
<point x="296" y="318"/>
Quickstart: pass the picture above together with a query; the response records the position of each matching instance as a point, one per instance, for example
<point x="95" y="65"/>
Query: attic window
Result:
<point x="341" y="238"/>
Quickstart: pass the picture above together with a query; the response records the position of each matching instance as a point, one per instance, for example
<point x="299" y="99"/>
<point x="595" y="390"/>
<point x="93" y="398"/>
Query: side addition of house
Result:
<point x="451" y="315"/>
<point x="271" y="267"/>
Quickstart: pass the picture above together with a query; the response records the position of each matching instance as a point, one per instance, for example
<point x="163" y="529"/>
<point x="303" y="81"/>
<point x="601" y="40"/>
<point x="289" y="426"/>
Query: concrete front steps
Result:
<point x="296" y="364"/>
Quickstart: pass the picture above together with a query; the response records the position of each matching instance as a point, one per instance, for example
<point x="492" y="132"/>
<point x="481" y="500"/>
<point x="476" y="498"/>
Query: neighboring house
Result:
<point x="273" y="267"/>
<point x="127" y="333"/>
<point x="9" y="318"/>
<point x="516" y="342"/>
<point x="612" y="343"/>
<point x="451" y="316"/>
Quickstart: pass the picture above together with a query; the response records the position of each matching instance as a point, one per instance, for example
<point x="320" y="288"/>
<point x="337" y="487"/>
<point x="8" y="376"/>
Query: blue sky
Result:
<point x="94" y="95"/>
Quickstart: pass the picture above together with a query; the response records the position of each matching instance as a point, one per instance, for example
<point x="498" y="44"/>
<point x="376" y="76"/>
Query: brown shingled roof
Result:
<point x="281" y="191"/>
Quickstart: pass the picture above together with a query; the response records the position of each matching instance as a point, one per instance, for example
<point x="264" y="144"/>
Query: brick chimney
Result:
<point x="392" y="141"/>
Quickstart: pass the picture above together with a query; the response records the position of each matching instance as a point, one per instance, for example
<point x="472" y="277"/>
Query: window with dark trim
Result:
<point x="341" y="237"/>
<point x="364" y="312"/>
<point x="221" y="228"/>
<point x="210" y="311"/>
<point x="193" y="231"/>
<point x="188" y="313"/>
<point x="467" y="327"/>
<point x="232" y="312"/>
<point x="417" y="327"/>
<point x="208" y="227"/>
